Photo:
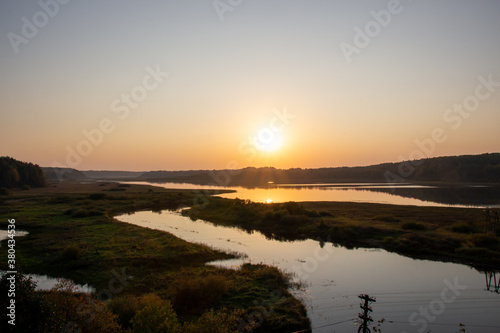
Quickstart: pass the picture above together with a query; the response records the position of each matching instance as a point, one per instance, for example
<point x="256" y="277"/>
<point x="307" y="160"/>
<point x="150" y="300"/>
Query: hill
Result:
<point x="59" y="174"/>
<point x="98" y="174"/>
<point x="483" y="168"/>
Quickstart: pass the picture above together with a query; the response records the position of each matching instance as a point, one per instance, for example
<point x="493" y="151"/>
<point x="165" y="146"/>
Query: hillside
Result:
<point x="59" y="174"/>
<point x="98" y="174"/>
<point x="483" y="168"/>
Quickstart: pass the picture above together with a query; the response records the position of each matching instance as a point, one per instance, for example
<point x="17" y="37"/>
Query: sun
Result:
<point x="268" y="141"/>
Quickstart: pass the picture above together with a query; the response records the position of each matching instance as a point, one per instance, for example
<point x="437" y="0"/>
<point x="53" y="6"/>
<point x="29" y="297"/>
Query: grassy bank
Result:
<point x="437" y="233"/>
<point x="72" y="234"/>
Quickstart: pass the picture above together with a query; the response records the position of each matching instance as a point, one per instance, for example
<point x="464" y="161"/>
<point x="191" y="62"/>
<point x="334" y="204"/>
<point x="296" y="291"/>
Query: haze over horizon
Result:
<point x="151" y="85"/>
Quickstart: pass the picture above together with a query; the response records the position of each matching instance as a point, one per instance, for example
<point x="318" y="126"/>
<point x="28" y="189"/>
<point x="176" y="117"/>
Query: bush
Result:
<point x="293" y="208"/>
<point x="312" y="213"/>
<point x="71" y="252"/>
<point x="78" y="312"/>
<point x="116" y="189"/>
<point x="413" y="226"/>
<point x="483" y="240"/>
<point x="221" y="321"/>
<point x="61" y="199"/>
<point x="82" y="212"/>
<point x="125" y="307"/>
<point x="464" y="228"/>
<point x="389" y="242"/>
<point x="194" y="296"/>
<point x="97" y="196"/>
<point x="25" y="187"/>
<point x="385" y="218"/>
<point x="156" y="316"/>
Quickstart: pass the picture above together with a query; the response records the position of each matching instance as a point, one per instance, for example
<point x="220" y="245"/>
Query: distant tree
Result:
<point x="14" y="173"/>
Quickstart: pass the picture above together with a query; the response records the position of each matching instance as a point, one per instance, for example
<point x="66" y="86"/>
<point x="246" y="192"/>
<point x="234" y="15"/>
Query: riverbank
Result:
<point x="72" y="234"/>
<point x="436" y="233"/>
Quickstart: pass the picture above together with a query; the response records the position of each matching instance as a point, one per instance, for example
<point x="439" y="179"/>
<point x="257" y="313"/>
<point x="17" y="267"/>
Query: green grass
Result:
<point x="72" y="234"/>
<point x="436" y="233"/>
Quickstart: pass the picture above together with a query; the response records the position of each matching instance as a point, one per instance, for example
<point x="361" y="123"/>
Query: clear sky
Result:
<point x="185" y="84"/>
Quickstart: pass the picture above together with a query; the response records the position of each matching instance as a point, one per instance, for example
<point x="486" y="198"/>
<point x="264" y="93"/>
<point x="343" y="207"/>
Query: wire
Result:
<point x="442" y="324"/>
<point x="314" y="328"/>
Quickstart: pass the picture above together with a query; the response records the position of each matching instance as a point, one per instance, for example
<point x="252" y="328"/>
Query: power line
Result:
<point x="314" y="328"/>
<point x="443" y="324"/>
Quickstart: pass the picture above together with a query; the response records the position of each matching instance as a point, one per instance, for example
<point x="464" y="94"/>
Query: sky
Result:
<point x="203" y="84"/>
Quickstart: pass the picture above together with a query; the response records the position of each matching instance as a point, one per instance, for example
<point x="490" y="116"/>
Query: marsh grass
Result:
<point x="68" y="238"/>
<point x="437" y="233"/>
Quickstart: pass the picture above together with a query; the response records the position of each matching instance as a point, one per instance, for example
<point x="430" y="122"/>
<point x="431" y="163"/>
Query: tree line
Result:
<point x="14" y="173"/>
<point x="483" y="168"/>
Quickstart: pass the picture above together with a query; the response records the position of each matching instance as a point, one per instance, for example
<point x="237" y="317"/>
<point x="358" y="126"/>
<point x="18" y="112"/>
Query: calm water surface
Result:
<point x="334" y="277"/>
<point x="401" y="194"/>
<point x="43" y="282"/>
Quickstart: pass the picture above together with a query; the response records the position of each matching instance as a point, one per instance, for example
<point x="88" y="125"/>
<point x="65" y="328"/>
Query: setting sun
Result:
<point x="268" y="140"/>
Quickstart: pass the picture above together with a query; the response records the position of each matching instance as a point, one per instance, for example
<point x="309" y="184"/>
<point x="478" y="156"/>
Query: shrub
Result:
<point x="413" y="226"/>
<point x="194" y="296"/>
<point x="483" y="240"/>
<point x="97" y="196"/>
<point x="220" y="321"/>
<point x="312" y="213"/>
<point x="322" y="225"/>
<point x="294" y="208"/>
<point x="385" y="218"/>
<point x="389" y="242"/>
<point x="125" y="307"/>
<point x="156" y="316"/>
<point x="4" y="191"/>
<point x="117" y="189"/>
<point x="78" y="312"/>
<point x="71" y="252"/>
<point x="82" y="212"/>
<point x="464" y="228"/>
<point x="61" y="199"/>
<point x="25" y="187"/>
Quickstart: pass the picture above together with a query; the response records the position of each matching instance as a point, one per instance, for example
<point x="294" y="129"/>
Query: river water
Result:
<point x="411" y="295"/>
<point x="43" y="282"/>
<point x="395" y="194"/>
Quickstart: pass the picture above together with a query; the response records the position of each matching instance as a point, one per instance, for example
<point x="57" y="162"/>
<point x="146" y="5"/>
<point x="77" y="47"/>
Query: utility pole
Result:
<point x="495" y="287"/>
<point x="365" y="315"/>
<point x="488" y="220"/>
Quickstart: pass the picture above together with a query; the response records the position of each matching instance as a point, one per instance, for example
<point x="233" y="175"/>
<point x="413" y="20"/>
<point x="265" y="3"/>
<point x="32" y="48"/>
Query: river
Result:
<point x="411" y="295"/>
<point x="444" y="195"/>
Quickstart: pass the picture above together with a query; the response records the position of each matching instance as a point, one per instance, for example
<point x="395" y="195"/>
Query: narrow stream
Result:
<point x="411" y="295"/>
